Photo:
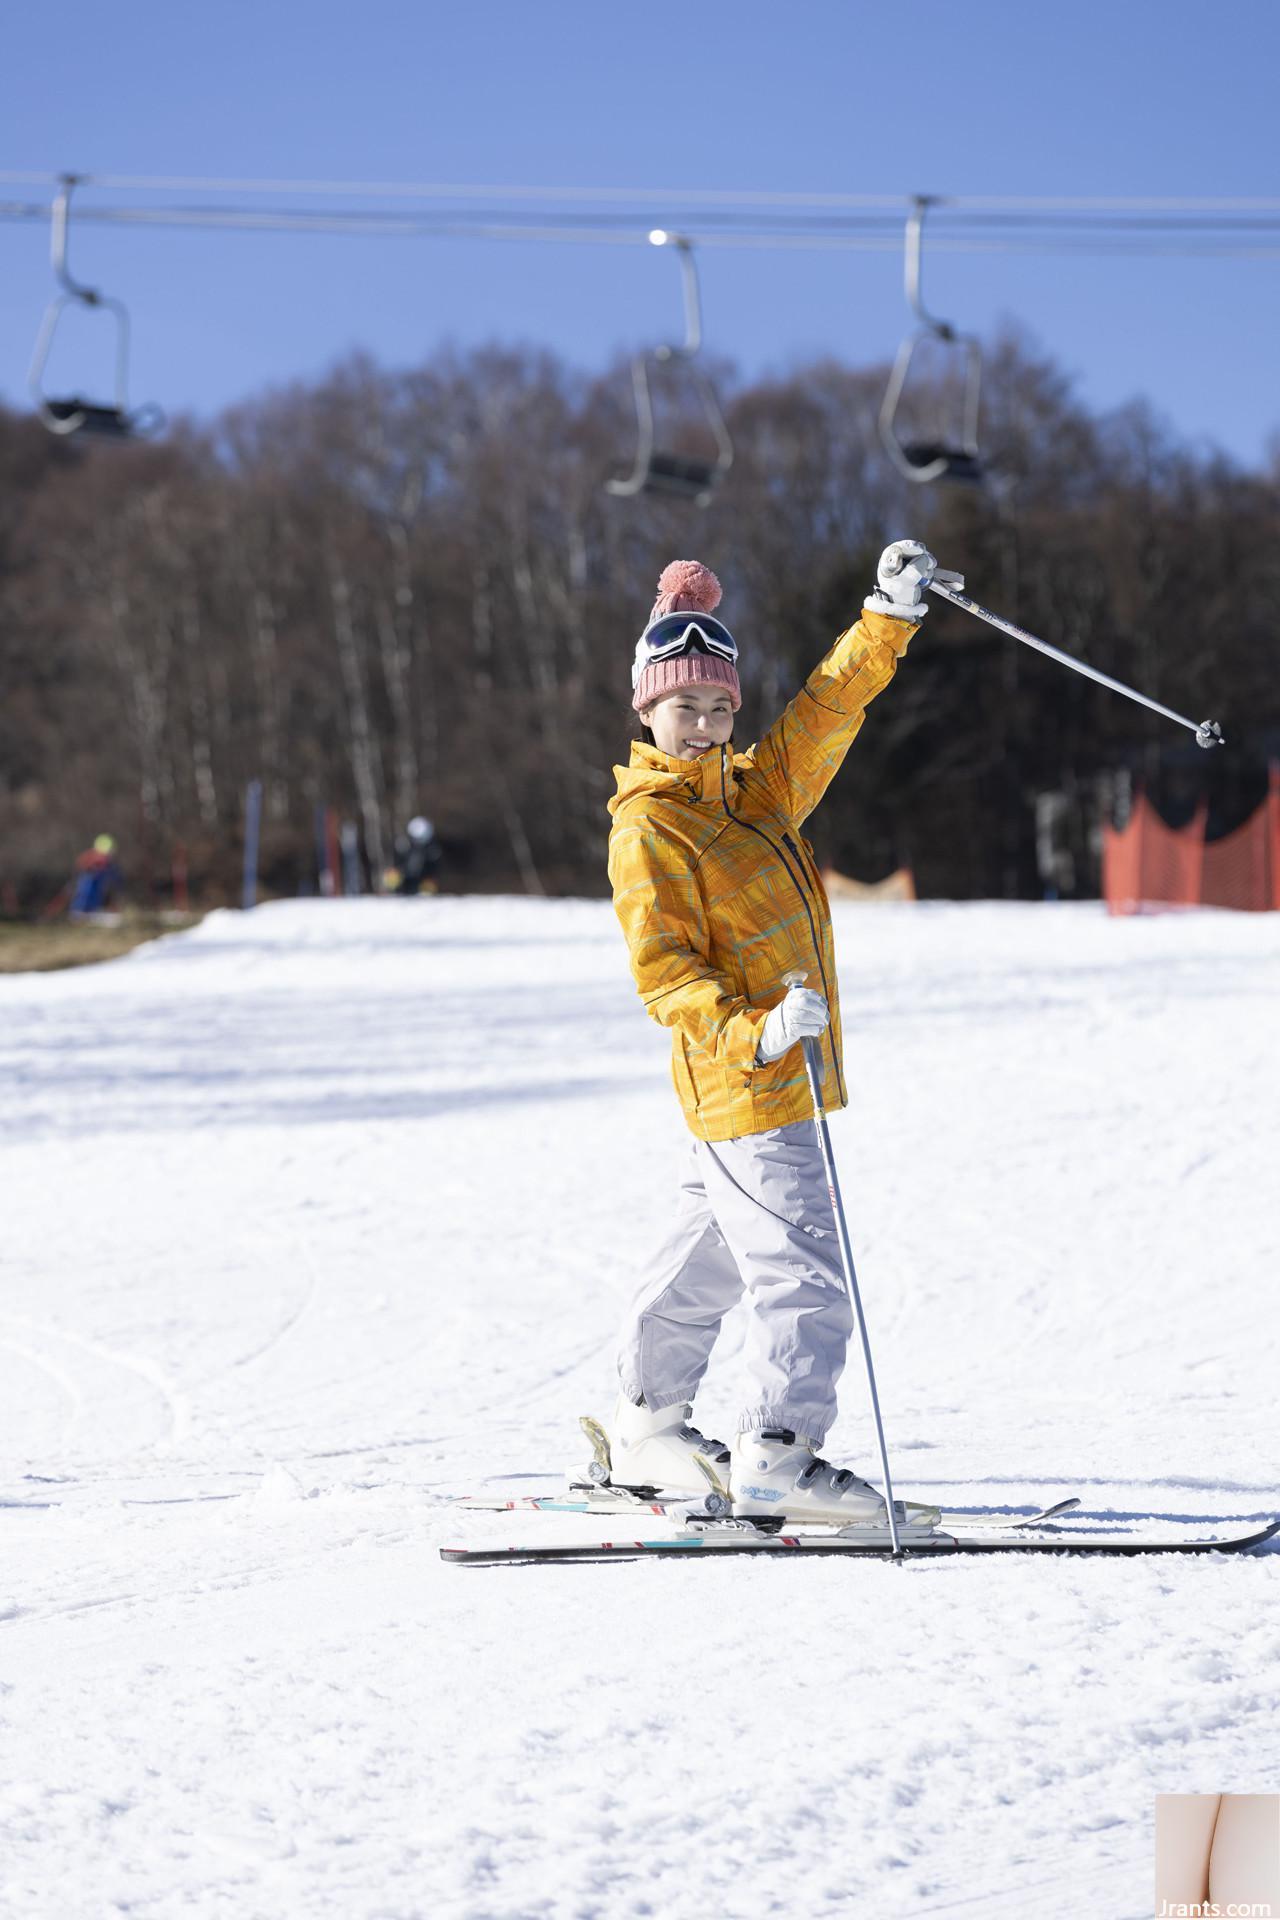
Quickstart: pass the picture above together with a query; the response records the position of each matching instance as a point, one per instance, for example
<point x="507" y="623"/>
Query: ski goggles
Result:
<point x="676" y="633"/>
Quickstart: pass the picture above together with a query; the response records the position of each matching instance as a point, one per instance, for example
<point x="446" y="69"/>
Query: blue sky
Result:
<point x="1134" y="97"/>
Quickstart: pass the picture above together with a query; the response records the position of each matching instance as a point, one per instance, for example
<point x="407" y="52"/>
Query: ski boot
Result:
<point x="778" y="1477"/>
<point x="646" y="1452"/>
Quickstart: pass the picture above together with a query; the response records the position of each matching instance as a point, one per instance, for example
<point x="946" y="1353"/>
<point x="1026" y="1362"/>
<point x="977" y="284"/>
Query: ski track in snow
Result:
<point x="320" y="1216"/>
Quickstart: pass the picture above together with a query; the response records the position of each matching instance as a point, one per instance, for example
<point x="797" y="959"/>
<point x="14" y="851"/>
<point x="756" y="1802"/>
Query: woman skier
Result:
<point x="719" y="898"/>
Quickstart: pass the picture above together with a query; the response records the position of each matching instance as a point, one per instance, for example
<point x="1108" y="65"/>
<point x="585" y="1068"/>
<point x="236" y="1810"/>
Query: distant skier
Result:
<point x="719" y="897"/>
<point x="417" y="857"/>
<point x="98" y="879"/>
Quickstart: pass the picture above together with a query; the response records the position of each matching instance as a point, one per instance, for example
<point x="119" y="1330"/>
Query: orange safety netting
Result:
<point x="1146" y="864"/>
<point x="899" y="886"/>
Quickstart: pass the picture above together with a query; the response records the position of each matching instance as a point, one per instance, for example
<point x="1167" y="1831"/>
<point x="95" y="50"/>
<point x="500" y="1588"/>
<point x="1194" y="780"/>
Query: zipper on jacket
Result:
<point x="802" y="889"/>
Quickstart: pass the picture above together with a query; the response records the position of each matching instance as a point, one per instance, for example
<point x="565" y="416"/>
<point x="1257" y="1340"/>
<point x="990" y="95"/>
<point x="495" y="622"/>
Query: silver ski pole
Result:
<point x="1207" y="732"/>
<point x="813" y="1068"/>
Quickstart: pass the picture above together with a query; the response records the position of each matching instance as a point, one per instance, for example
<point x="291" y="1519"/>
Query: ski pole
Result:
<point x="809" y="1048"/>
<point x="1208" y="733"/>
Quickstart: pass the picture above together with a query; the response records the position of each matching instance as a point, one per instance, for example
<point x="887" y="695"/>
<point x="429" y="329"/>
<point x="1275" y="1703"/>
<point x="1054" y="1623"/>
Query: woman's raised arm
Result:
<point x="801" y="753"/>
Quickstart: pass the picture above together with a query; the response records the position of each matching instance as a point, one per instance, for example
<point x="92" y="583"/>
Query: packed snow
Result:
<point x="319" y="1216"/>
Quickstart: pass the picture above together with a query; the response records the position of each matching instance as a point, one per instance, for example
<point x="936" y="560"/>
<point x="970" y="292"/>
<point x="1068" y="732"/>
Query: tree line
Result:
<point x="401" y="592"/>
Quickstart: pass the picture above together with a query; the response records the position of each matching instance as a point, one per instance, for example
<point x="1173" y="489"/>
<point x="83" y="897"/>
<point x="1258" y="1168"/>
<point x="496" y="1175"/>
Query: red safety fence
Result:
<point x="1146" y="864"/>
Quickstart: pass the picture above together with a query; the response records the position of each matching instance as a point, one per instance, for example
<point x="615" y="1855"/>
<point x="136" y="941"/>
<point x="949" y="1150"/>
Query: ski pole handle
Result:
<point x="808" y="1046"/>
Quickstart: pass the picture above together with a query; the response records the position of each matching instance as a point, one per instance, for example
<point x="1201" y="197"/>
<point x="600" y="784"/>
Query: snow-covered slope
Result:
<point x="318" y="1216"/>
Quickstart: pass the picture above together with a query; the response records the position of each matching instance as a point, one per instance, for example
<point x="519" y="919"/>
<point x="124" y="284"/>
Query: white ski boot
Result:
<point x="656" y="1449"/>
<point x="779" y="1475"/>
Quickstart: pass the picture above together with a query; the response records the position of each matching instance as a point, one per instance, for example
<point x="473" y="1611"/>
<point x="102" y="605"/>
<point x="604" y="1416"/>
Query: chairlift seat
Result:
<point x="101" y="423"/>
<point x="961" y="462"/>
<point x="681" y="475"/>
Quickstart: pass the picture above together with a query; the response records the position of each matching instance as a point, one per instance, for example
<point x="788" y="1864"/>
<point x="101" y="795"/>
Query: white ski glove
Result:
<point x="904" y="569"/>
<point x="803" y="1014"/>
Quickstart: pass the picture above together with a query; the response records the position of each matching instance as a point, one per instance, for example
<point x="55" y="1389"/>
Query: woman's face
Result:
<point x="687" y="723"/>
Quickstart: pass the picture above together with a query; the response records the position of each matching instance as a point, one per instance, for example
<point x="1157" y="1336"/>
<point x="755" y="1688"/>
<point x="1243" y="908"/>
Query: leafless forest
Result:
<point x="403" y="592"/>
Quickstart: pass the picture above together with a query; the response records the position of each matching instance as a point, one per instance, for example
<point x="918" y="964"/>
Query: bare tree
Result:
<point x="394" y="593"/>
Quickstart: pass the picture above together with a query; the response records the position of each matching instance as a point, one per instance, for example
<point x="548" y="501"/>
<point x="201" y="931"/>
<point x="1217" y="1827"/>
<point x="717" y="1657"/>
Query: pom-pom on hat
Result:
<point x="685" y="586"/>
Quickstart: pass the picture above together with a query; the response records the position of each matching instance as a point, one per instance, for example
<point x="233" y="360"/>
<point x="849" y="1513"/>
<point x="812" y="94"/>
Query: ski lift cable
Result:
<point x="1197" y="215"/>
<point x="703" y="196"/>
<point x="670" y="196"/>
<point x="390" y="225"/>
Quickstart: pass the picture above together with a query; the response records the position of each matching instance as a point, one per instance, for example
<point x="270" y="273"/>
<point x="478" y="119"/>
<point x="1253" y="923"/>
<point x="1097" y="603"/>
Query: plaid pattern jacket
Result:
<point x="719" y="895"/>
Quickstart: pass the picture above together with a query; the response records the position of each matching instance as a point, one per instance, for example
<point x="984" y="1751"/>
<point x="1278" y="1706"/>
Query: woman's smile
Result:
<point x="708" y="709"/>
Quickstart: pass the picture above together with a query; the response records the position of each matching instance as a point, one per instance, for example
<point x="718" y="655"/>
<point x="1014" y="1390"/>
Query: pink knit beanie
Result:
<point x="686" y="586"/>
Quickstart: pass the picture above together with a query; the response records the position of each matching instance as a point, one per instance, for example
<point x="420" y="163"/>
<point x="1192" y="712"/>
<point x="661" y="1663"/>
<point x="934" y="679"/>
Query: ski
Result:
<point x="718" y="1538"/>
<point x="676" y="1507"/>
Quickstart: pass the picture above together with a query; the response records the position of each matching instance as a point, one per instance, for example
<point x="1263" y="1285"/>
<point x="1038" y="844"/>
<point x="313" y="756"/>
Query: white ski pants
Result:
<point x="754" y="1214"/>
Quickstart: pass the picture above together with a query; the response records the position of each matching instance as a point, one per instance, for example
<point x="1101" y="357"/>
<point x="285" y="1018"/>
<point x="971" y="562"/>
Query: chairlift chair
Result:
<point x="76" y="415"/>
<point x="658" y="470"/>
<point x="940" y="456"/>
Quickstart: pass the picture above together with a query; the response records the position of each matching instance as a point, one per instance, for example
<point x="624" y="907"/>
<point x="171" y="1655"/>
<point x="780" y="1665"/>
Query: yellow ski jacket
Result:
<point x="719" y="895"/>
